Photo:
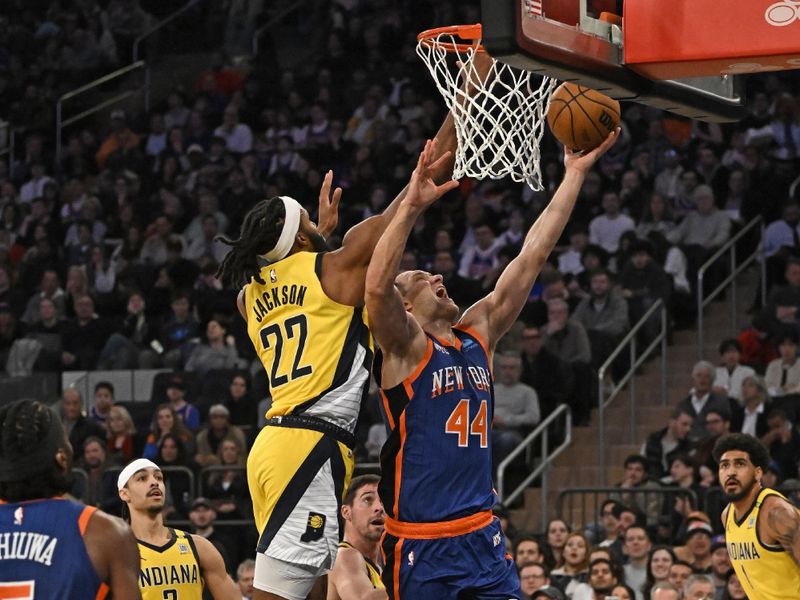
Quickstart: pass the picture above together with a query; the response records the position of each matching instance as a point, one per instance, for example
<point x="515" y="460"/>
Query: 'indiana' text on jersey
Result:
<point x="317" y="352"/>
<point x="437" y="461"/>
<point x="171" y="570"/>
<point x="42" y="551"/>
<point x="766" y="572"/>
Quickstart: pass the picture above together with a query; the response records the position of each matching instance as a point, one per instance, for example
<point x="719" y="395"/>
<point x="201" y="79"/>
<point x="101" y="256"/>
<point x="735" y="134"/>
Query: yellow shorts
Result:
<point x="297" y="479"/>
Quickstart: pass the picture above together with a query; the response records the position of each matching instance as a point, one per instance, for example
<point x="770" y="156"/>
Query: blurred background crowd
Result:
<point x="108" y="258"/>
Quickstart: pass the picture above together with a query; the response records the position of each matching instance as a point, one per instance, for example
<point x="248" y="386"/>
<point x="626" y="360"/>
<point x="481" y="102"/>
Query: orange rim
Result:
<point x="471" y="33"/>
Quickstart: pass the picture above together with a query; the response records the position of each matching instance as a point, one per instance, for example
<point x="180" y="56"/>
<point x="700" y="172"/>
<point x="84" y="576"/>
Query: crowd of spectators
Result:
<point x="107" y="259"/>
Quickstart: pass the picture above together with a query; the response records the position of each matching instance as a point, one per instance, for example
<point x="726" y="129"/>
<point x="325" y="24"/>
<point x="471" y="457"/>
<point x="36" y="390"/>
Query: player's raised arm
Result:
<point x="494" y="315"/>
<point x="395" y="331"/>
<point x="359" y="242"/>
<point x="783" y="522"/>
<point x="217" y="579"/>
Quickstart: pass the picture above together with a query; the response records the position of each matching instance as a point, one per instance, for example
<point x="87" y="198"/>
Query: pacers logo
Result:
<point x="315" y="527"/>
<point x="783" y="13"/>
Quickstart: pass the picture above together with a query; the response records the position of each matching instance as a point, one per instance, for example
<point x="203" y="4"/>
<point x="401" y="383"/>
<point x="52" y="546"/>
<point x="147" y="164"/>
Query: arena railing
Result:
<point x="277" y="18"/>
<point x="208" y="471"/>
<point x="61" y="123"/>
<point x="160" y="25"/>
<point x="547" y="429"/>
<point x="730" y="280"/>
<point x="604" y="402"/>
<point x="585" y="502"/>
<point x="154" y="29"/>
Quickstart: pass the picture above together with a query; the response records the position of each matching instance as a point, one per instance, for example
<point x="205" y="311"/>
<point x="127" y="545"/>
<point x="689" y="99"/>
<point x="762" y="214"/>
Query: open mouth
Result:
<point x="377" y="522"/>
<point x="155" y="494"/>
<point x="441" y="292"/>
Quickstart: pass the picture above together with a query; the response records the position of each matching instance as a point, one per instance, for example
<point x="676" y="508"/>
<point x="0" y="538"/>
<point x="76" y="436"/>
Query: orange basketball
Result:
<point x="581" y="118"/>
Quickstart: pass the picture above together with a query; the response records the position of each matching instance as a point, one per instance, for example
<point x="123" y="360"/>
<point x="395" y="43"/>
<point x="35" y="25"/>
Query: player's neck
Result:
<point x="439" y="328"/>
<point x="149" y="528"/>
<point x="744" y="504"/>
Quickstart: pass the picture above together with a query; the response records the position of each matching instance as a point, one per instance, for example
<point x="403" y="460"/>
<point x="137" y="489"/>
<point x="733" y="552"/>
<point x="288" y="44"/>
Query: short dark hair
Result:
<point x="637" y="526"/>
<point x="678" y="411"/>
<point x="729" y="344"/>
<point x="599" y="271"/>
<point x="605" y="503"/>
<point x="93" y="439"/>
<point x="786" y="335"/>
<point x="756" y="451"/>
<point x="777" y="413"/>
<point x="356" y="484"/>
<point x="634" y="459"/>
<point x="685" y="459"/>
<point x="606" y="561"/>
<point x="104" y="385"/>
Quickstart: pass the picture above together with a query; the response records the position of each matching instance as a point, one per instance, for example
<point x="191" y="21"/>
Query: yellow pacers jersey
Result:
<point x="172" y="571"/>
<point x="317" y="352"/>
<point x="373" y="570"/>
<point x="766" y="572"/>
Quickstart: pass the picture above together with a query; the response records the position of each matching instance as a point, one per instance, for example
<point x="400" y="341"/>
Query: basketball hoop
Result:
<point x="500" y="121"/>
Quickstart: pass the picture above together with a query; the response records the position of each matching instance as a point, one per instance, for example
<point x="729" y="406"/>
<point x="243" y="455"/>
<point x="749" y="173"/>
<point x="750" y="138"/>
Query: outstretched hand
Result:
<point x="577" y="161"/>
<point x="422" y="189"/>
<point x="328" y="217"/>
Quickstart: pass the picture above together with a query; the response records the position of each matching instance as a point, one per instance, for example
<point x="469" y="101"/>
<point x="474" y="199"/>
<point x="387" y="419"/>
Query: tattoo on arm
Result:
<point x="784" y="521"/>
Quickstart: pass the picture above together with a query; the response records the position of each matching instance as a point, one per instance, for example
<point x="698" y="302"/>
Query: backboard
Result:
<point x="572" y="40"/>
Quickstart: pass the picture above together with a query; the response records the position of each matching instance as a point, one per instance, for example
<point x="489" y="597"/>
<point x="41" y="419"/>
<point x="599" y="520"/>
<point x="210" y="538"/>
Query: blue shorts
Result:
<point x="473" y="566"/>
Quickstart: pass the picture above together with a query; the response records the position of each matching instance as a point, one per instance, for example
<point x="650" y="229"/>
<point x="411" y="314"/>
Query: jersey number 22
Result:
<point x="273" y="337"/>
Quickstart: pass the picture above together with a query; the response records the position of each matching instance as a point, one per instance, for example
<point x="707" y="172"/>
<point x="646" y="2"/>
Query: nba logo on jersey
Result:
<point x="273" y="276"/>
<point x="19" y="514"/>
<point x="496" y="539"/>
<point x="751" y="523"/>
<point x="183" y="548"/>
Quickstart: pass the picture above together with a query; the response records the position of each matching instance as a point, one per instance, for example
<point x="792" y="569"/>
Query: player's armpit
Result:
<point x="783" y="522"/>
<point x="349" y="576"/>
<point x="114" y="554"/>
<point x="217" y="579"/>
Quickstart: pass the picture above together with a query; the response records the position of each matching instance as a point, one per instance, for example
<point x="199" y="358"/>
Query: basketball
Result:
<point x="581" y="118"/>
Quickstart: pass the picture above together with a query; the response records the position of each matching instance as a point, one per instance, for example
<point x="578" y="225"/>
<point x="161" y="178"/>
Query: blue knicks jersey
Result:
<point x="42" y="552"/>
<point x="437" y="461"/>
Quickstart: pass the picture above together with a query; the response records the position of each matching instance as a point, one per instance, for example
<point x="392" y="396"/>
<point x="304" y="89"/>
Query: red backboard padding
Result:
<point x="693" y="38"/>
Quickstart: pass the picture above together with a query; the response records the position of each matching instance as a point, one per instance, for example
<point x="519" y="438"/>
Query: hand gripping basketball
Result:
<point x="581" y="118"/>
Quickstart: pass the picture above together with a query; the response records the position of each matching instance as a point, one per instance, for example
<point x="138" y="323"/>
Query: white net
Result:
<point x="500" y="121"/>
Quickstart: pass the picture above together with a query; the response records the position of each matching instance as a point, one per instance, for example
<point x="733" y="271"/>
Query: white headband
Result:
<point x="137" y="465"/>
<point x="291" y="225"/>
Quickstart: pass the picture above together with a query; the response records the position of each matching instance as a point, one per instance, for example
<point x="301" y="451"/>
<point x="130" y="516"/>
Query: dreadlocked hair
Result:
<point x="24" y="425"/>
<point x="259" y="233"/>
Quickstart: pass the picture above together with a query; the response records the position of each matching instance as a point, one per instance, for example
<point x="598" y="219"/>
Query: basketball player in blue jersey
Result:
<point x="50" y="546"/>
<point x="441" y="539"/>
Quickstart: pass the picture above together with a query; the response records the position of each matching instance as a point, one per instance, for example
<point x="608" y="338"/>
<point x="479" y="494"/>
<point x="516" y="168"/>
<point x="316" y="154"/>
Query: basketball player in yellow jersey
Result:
<point x="305" y="315"/>
<point x="356" y="574"/>
<point x="762" y="529"/>
<point x="174" y="564"/>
